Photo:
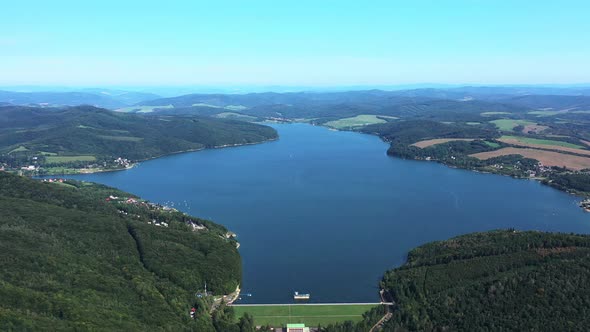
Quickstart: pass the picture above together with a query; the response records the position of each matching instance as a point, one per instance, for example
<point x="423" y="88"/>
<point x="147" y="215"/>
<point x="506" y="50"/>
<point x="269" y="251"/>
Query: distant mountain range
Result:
<point x="405" y="103"/>
<point x="526" y="96"/>
<point x="95" y="97"/>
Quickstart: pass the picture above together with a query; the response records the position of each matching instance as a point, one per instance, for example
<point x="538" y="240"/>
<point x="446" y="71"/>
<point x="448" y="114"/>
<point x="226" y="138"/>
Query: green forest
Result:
<point x="494" y="281"/>
<point x="82" y="256"/>
<point x="79" y="136"/>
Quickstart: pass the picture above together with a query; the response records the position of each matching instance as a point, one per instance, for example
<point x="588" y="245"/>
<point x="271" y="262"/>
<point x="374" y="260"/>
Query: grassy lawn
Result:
<point x="61" y="171"/>
<point x="548" y="142"/>
<point x="492" y="144"/>
<point x="493" y="113"/>
<point x="19" y="149"/>
<point x="545" y="113"/>
<point x="67" y="159"/>
<point x="509" y="124"/>
<point x="141" y="109"/>
<point x="121" y="138"/>
<point x="356" y="121"/>
<point x="235" y="116"/>
<point x="310" y="315"/>
<point x="236" y="107"/>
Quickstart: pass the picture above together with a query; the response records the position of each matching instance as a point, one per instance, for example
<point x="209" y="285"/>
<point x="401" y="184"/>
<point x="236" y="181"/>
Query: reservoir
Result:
<point x="328" y="212"/>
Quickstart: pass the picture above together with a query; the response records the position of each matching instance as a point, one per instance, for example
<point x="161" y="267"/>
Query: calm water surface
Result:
<point x="328" y="212"/>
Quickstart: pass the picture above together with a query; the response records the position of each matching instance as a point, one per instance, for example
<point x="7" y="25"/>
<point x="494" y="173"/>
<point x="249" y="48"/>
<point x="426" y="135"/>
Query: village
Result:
<point x="123" y="204"/>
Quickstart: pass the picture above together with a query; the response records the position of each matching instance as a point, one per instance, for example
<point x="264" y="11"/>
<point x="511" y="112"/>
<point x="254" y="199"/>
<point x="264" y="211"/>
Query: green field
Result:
<point x="67" y="159"/>
<point x="509" y="124"/>
<point x="492" y="144"/>
<point x="356" y="121"/>
<point x="121" y="138"/>
<point x="235" y="116"/>
<point x="545" y="113"/>
<point x="205" y="105"/>
<point x="19" y="149"/>
<point x="236" y="107"/>
<point x="528" y="140"/>
<point x="493" y="113"/>
<point x="141" y="109"/>
<point x="310" y="315"/>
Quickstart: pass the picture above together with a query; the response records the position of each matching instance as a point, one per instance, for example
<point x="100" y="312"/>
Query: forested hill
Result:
<point x="494" y="281"/>
<point x="86" y="134"/>
<point x="71" y="260"/>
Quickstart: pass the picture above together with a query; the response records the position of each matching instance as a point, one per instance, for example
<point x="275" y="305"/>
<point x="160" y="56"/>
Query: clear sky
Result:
<point x="283" y="42"/>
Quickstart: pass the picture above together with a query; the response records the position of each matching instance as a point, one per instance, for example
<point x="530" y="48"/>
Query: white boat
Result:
<point x="298" y="296"/>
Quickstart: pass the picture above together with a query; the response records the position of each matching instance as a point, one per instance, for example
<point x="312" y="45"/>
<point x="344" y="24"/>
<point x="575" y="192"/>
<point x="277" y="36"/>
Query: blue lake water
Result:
<point x="328" y="212"/>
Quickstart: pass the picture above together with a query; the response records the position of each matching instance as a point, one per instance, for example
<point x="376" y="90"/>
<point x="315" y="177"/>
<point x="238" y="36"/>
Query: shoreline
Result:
<point x="135" y="164"/>
<point x="540" y="180"/>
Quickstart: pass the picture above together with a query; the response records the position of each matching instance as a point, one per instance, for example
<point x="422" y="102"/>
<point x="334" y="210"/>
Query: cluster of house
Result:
<point x="539" y="169"/>
<point x="54" y="180"/>
<point x="195" y="226"/>
<point x="124" y="162"/>
<point x="29" y="168"/>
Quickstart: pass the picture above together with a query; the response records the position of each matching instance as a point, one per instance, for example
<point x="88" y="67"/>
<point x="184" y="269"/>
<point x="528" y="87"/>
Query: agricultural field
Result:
<point x="141" y="109"/>
<point x="545" y="113"/>
<point x="528" y="140"/>
<point x="67" y="159"/>
<point x="310" y="315"/>
<point x="121" y="138"/>
<point x="356" y="121"/>
<point x="19" y="149"/>
<point x="235" y="116"/>
<point x="431" y="142"/>
<point x="548" y="158"/>
<point x="235" y="108"/>
<point x="205" y="105"/>
<point x="492" y="144"/>
<point x="493" y="113"/>
<point x="509" y="124"/>
<point x="544" y="144"/>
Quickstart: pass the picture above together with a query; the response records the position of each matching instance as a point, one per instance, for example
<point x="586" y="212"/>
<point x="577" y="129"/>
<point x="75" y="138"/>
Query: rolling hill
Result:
<point x="104" y="98"/>
<point x="501" y="280"/>
<point x="72" y="260"/>
<point x="39" y="134"/>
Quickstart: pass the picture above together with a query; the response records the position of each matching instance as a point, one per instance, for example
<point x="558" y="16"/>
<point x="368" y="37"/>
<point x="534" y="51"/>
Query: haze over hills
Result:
<point x="96" y="97"/>
<point x="113" y="98"/>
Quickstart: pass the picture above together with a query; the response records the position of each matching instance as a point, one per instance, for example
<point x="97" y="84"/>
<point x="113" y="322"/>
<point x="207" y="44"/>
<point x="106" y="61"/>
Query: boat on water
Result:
<point x="298" y="296"/>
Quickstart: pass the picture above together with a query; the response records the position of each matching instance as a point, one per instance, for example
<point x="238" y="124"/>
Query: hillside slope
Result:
<point x="48" y="135"/>
<point x="72" y="260"/>
<point x="494" y="281"/>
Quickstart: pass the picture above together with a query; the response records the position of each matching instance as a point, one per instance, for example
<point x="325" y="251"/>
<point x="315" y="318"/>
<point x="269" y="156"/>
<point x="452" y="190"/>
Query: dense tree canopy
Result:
<point x="494" y="281"/>
<point x="73" y="260"/>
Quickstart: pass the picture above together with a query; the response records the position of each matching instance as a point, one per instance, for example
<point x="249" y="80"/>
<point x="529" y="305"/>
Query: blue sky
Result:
<point x="294" y="42"/>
